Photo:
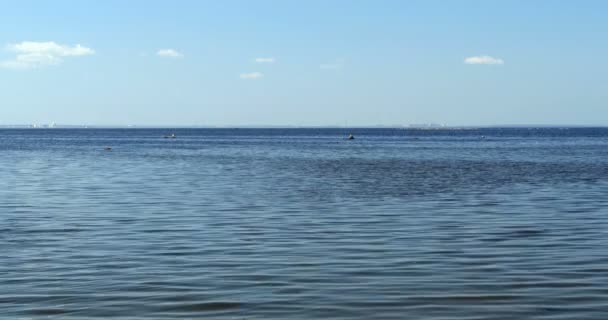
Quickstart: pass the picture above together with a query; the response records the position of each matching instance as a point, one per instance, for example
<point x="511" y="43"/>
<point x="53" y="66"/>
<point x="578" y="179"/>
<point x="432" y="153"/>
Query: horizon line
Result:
<point x="378" y="126"/>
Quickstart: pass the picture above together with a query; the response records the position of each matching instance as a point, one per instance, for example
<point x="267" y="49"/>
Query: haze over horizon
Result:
<point x="314" y="63"/>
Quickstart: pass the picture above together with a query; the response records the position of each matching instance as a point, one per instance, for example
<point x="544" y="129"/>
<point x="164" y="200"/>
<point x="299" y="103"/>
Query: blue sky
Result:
<point x="322" y="63"/>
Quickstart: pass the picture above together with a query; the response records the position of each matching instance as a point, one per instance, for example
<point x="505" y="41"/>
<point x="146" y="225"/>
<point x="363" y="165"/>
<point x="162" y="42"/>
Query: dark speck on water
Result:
<point x="300" y="224"/>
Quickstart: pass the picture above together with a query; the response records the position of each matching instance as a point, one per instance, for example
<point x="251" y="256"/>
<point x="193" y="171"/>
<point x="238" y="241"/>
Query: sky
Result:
<point x="304" y="63"/>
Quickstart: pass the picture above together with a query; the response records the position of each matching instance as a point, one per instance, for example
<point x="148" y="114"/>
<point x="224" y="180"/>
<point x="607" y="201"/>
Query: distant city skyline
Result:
<point x="313" y="63"/>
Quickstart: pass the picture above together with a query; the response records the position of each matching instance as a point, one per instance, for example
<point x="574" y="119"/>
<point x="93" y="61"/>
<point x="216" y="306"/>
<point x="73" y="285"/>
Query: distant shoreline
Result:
<point x="411" y="127"/>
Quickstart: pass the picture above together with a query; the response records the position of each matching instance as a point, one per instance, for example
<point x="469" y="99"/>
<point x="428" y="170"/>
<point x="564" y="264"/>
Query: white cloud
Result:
<point x="169" y="53"/>
<point x="338" y="64"/>
<point x="483" y="60"/>
<point x="264" y="60"/>
<point x="251" y="75"/>
<point x="31" y="54"/>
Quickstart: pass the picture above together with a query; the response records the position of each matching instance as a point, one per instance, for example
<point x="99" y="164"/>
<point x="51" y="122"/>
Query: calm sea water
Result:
<point x="303" y="224"/>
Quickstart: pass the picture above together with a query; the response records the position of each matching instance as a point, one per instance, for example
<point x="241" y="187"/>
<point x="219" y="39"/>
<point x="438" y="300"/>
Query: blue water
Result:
<point x="303" y="224"/>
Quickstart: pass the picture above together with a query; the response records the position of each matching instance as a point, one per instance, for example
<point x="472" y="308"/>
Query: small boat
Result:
<point x="350" y="137"/>
<point x="107" y="148"/>
<point x="171" y="136"/>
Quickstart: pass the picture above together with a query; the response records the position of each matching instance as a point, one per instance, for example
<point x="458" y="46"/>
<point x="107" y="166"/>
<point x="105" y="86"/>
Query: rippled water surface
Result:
<point x="303" y="224"/>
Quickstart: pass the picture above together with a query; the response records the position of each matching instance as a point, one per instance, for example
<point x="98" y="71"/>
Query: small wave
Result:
<point x="204" y="306"/>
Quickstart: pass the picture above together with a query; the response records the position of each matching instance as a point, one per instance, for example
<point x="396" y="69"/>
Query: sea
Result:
<point x="438" y="224"/>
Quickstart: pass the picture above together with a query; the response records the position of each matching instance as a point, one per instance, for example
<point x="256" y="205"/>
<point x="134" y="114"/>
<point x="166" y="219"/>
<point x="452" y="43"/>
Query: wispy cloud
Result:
<point x="251" y="75"/>
<point x="169" y="53"/>
<point x="264" y="60"/>
<point x="483" y="60"/>
<point x="338" y="64"/>
<point x="31" y="54"/>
